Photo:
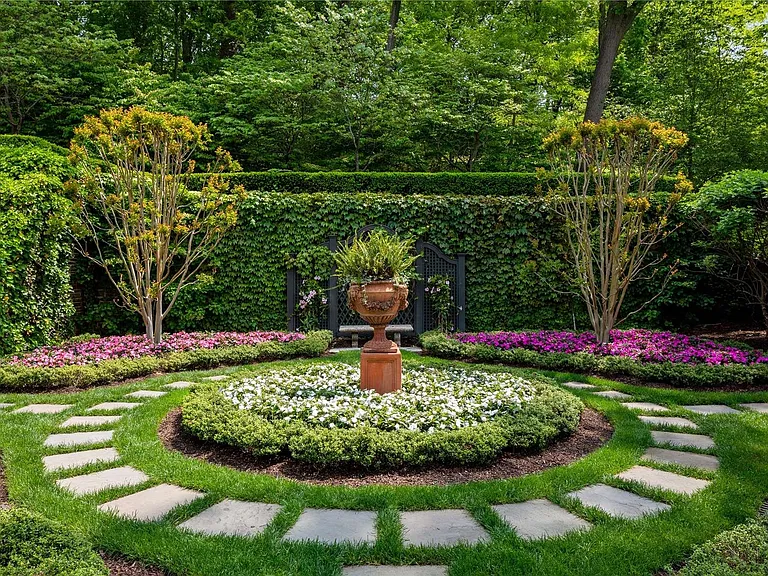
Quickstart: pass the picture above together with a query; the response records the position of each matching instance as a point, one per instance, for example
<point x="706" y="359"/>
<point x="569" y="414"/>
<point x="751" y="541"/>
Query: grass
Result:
<point x="612" y="547"/>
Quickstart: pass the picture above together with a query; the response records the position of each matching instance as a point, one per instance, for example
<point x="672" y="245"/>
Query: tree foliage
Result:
<point x="148" y="232"/>
<point x="608" y="172"/>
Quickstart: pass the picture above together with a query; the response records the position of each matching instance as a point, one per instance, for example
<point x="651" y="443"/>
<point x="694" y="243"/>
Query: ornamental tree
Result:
<point x="140" y="222"/>
<point x="607" y="173"/>
<point x="733" y="214"/>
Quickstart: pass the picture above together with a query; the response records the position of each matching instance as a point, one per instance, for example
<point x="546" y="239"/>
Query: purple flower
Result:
<point x="642" y="345"/>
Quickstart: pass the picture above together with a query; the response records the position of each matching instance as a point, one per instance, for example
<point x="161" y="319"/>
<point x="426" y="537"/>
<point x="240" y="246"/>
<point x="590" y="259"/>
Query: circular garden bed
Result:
<point x="316" y="414"/>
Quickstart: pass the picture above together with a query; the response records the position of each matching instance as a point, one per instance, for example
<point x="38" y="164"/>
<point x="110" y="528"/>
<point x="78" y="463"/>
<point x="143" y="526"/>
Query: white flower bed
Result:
<point x="329" y="395"/>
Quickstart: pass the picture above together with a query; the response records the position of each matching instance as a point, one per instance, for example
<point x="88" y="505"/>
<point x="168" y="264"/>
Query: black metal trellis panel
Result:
<point x="419" y="313"/>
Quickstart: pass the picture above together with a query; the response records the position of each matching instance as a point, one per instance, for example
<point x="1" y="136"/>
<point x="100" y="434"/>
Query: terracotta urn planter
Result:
<point x="378" y="303"/>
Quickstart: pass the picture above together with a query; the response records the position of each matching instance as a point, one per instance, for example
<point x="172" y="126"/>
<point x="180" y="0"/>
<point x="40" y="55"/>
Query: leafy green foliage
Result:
<point x="550" y="414"/>
<point x="23" y="378"/>
<point x="35" y="216"/>
<point x="380" y="256"/>
<point x="31" y="545"/>
<point x="742" y="551"/>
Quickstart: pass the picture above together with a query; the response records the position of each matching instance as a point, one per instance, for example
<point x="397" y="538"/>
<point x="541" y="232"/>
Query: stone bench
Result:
<point x="356" y="329"/>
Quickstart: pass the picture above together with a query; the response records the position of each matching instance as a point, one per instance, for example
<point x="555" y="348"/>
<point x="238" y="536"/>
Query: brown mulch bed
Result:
<point x="121" y="566"/>
<point x="4" y="501"/>
<point x="594" y="431"/>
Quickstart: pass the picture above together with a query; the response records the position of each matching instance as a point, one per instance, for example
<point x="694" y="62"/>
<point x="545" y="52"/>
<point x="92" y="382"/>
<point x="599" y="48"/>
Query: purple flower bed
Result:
<point x="641" y="345"/>
<point x="114" y="347"/>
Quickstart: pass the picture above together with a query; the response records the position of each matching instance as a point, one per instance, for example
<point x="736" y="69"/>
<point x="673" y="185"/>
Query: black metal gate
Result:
<point x="420" y="316"/>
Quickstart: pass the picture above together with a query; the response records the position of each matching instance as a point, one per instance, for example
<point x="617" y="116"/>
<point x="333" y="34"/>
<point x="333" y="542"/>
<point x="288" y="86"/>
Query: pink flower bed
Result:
<point x="114" y="347"/>
<point x="641" y="345"/>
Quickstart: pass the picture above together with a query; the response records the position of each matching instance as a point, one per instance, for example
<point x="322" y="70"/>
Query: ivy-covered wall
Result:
<point x="516" y="274"/>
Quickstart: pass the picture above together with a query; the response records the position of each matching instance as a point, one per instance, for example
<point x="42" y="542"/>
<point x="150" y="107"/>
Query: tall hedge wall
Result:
<point x="35" y="294"/>
<point x="516" y="275"/>
<point x="471" y="184"/>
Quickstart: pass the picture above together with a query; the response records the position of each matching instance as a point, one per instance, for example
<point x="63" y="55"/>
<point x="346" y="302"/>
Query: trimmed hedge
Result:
<point x="23" y="378"/>
<point x="31" y="545"/>
<point x="677" y="374"/>
<point x="207" y="414"/>
<point x="438" y="183"/>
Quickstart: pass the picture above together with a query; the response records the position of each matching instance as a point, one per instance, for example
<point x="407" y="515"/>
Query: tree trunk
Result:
<point x="394" y="17"/>
<point x="228" y="46"/>
<point x="616" y="17"/>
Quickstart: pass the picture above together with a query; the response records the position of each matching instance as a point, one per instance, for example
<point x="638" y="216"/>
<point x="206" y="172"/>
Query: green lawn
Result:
<point x="612" y="547"/>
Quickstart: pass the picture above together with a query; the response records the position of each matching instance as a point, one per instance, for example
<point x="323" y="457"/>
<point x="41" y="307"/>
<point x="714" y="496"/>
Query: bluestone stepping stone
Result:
<point x="42" y="408"/>
<point x="689" y="459"/>
<point x="664" y="480"/>
<point x="98" y="481"/>
<point x="146" y="394"/>
<point x="441" y="528"/>
<point x="579" y="386"/>
<point x="78" y="459"/>
<point x="395" y="571"/>
<point x="330" y="526"/>
<point x="681" y="439"/>
<point x="645" y="406"/>
<point x="233" y="518"/>
<point x="151" y="504"/>
<point x="179" y="385"/>
<point x="216" y="378"/>
<point x="668" y="421"/>
<point x="708" y="409"/>
<point x="756" y="406"/>
<point x="618" y="503"/>
<point x="3" y="406"/>
<point x="89" y="421"/>
<point x="540" y="519"/>
<point x="79" y="438"/>
<point x="613" y="395"/>
<point x="108" y="406"/>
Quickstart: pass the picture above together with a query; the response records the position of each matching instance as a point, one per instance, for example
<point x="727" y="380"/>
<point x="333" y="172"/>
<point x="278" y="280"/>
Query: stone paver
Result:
<point x="689" y="459"/>
<point x="668" y="421"/>
<point x="42" y="408"/>
<point x="395" y="571"/>
<point x="615" y="502"/>
<point x="645" y="406"/>
<point x="179" y="385"/>
<point x="681" y="439"/>
<point x="151" y="504"/>
<point x="77" y="459"/>
<point x="146" y="394"/>
<point x="757" y="407"/>
<point x="330" y="526"/>
<point x="441" y="528"/>
<point x="664" y="480"/>
<point x="579" y="386"/>
<point x="89" y="421"/>
<point x="79" y="438"/>
<point x="216" y="378"/>
<point x="3" y="405"/>
<point x="233" y="518"/>
<point x="540" y="519"/>
<point x="614" y="395"/>
<point x="708" y="409"/>
<point x="98" y="481"/>
<point x="107" y="406"/>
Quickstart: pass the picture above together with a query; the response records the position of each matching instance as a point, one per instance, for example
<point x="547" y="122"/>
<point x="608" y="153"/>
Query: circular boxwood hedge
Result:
<point x="317" y="414"/>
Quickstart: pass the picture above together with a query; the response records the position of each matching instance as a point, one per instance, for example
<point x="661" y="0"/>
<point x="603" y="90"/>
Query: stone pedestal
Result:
<point x="381" y="371"/>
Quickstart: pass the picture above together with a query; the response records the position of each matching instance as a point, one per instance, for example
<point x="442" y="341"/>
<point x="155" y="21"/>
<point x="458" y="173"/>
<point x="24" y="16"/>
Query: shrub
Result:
<point x="208" y="414"/>
<point x="31" y="545"/>
<point x="677" y="374"/>
<point x="742" y="551"/>
<point x="17" y="377"/>
<point x="402" y="183"/>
